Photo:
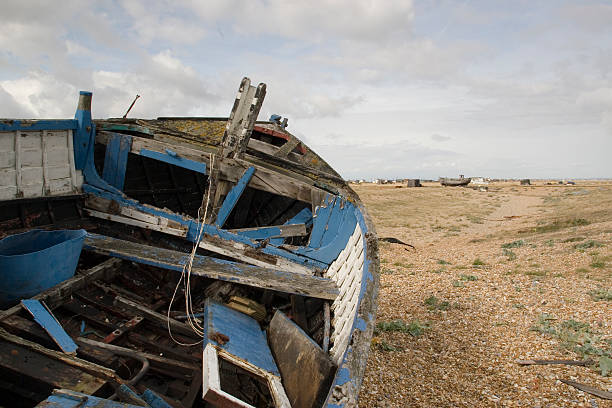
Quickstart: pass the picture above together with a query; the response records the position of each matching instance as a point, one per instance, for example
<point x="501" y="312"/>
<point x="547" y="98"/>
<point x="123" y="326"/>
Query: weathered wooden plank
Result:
<point x="158" y="226"/>
<point x="233" y="196"/>
<point x="48" y="322"/>
<point x="91" y="368"/>
<point x="238" y="335"/>
<point x="308" y="382"/>
<point x="214" y="268"/>
<point x="156" y="318"/>
<point x="172" y="157"/>
<point x="273" y="231"/>
<point x="242" y="119"/>
<point x="115" y="159"/>
<point x="288" y="147"/>
<point x="56" y="374"/>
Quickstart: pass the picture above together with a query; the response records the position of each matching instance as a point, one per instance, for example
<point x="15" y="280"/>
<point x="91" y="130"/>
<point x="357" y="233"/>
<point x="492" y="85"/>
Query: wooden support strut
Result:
<point x="235" y="138"/>
<point x="265" y="278"/>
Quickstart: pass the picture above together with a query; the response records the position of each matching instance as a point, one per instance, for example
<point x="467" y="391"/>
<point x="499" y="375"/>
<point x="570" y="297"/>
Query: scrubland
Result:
<point x="513" y="273"/>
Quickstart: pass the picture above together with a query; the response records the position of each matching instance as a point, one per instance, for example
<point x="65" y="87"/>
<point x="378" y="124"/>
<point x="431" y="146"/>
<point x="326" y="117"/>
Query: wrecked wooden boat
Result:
<point x="455" y="182"/>
<point x="224" y="263"/>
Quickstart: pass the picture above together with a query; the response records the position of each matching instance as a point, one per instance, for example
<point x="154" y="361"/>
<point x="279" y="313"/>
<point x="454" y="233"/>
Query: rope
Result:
<point x="185" y="278"/>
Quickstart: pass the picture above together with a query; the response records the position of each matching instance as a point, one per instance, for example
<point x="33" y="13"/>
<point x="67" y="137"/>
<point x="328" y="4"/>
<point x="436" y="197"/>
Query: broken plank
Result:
<point x="591" y="390"/>
<point x="44" y="369"/>
<point x="233" y="196"/>
<point x="214" y="268"/>
<point x="584" y="363"/>
<point x="91" y="368"/>
<point x="273" y="231"/>
<point x="47" y="321"/>
<point x="156" y="318"/>
<point x="307" y="383"/>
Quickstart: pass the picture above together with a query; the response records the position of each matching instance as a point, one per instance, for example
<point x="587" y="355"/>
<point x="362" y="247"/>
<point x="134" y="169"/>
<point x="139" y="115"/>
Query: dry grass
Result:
<point x="513" y="273"/>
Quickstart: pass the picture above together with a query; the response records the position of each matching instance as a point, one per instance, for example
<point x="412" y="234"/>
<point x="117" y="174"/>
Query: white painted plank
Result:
<point x="210" y="370"/>
<point x="7" y="160"/>
<point x="31" y="140"/>
<point x="32" y="190"/>
<point x="131" y="221"/>
<point x="18" y="162"/>
<point x="31" y="175"/>
<point x="8" y="192"/>
<point x="58" y="172"/>
<point x="60" y="186"/>
<point x="7" y="141"/>
<point x="30" y="158"/>
<point x="7" y="177"/>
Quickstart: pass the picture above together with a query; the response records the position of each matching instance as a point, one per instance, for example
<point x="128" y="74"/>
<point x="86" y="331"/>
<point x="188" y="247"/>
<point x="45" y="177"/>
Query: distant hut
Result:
<point x="413" y="183"/>
<point x="525" y="182"/>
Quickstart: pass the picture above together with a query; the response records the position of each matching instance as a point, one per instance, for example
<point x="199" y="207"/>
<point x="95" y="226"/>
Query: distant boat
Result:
<point x="455" y="182"/>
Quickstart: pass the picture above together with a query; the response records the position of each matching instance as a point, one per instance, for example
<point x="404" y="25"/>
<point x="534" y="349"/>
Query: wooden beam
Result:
<point x="268" y="178"/>
<point x="273" y="231"/>
<point x="91" y="368"/>
<point x="233" y="196"/>
<point x="47" y="321"/>
<point x="242" y="119"/>
<point x="214" y="268"/>
<point x="157" y="319"/>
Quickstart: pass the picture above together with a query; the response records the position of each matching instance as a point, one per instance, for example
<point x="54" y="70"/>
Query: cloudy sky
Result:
<point x="421" y="88"/>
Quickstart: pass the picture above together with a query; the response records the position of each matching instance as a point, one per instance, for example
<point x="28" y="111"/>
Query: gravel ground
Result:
<point x="468" y="308"/>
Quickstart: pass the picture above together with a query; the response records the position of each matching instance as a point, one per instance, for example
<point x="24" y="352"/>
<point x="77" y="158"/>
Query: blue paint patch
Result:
<point x="171" y="157"/>
<point x="115" y="160"/>
<point x="303" y="217"/>
<point x="332" y="228"/>
<point x="154" y="400"/>
<point x="360" y="324"/>
<point x="246" y="339"/>
<point x="233" y="196"/>
<point x="83" y="135"/>
<point x="47" y="321"/>
<point x="13" y="125"/>
<point x="193" y="227"/>
<point x="261" y="233"/>
<point x="343" y="376"/>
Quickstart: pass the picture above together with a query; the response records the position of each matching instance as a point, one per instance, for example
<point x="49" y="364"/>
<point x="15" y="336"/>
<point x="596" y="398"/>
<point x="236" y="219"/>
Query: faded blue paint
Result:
<point x="174" y="260"/>
<point x="333" y="225"/>
<point x="154" y="400"/>
<point x="171" y="157"/>
<point x="122" y="127"/>
<point x="233" y="196"/>
<point x="261" y="233"/>
<point x="344" y="374"/>
<point x="193" y="227"/>
<point x="50" y="324"/>
<point x="246" y="339"/>
<point x="61" y="124"/>
<point x="83" y="135"/>
<point x="303" y="217"/>
<point x="360" y="324"/>
<point x="36" y="260"/>
<point x="115" y="160"/>
<point x="73" y="399"/>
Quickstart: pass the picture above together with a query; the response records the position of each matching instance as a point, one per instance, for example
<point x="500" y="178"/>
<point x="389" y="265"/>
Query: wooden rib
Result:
<point x="210" y="267"/>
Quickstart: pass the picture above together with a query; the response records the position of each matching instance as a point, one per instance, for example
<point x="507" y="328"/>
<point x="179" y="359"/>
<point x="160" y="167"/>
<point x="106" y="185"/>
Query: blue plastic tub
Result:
<point x="37" y="260"/>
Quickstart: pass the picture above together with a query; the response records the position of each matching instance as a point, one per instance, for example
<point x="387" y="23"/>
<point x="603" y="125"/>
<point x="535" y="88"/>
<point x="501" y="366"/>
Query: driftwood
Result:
<point x="395" y="241"/>
<point x="583" y="363"/>
<point x="587" y="388"/>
